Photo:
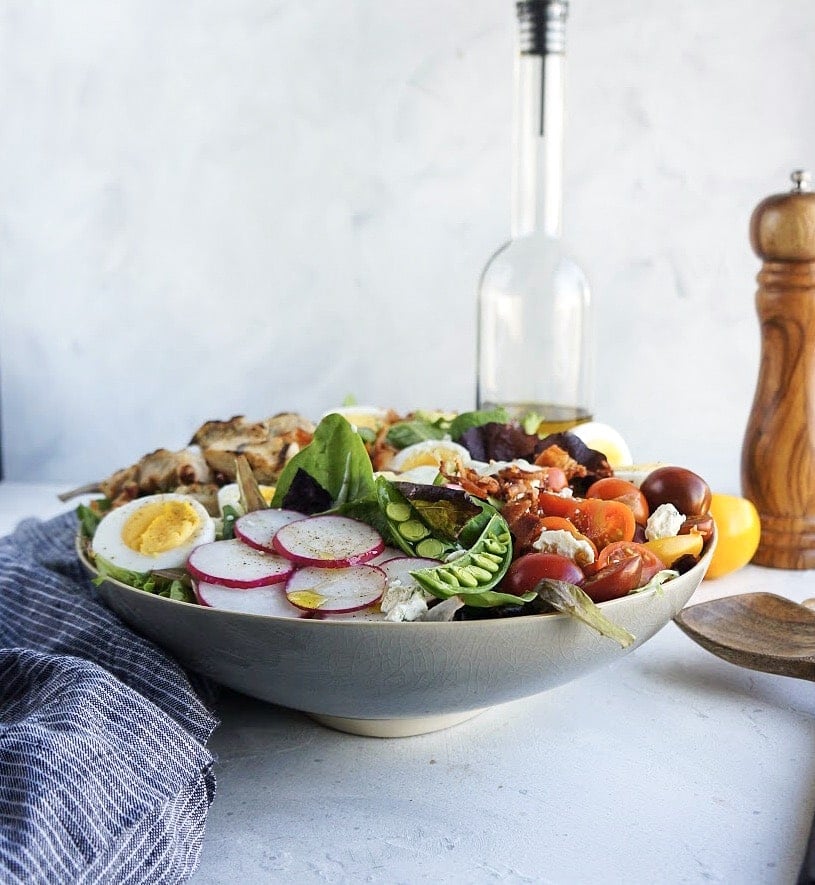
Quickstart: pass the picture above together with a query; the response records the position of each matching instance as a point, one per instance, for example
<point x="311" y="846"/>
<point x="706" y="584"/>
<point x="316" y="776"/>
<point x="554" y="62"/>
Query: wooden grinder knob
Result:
<point x="778" y="455"/>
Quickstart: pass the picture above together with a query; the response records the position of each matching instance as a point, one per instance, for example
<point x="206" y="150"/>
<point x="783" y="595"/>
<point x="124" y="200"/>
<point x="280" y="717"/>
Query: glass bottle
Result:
<point x="533" y="308"/>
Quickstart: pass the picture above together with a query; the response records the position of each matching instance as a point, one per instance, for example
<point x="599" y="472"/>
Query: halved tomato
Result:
<point x="612" y="488"/>
<point x="701" y="524"/>
<point x="557" y="505"/>
<point x="525" y="573"/>
<point x="604" y="522"/>
<point x="671" y="549"/>
<point x="560" y="523"/>
<point x="615" y="580"/>
<point x="619" y="551"/>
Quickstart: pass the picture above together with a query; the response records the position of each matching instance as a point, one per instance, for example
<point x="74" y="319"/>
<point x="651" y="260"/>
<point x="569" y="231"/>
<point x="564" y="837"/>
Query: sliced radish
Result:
<point x="400" y="567"/>
<point x="269" y="600"/>
<point x="386" y="554"/>
<point x="335" y="589"/>
<point x="328" y="541"/>
<point x="233" y="564"/>
<point x="259" y="527"/>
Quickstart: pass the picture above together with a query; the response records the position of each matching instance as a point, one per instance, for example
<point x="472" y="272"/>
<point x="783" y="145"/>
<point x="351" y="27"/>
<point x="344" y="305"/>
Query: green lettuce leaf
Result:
<point x="408" y="433"/>
<point x="89" y="518"/>
<point x="171" y="588"/>
<point x="657" y="582"/>
<point x="491" y="598"/>
<point x="467" y="420"/>
<point x="571" y="600"/>
<point x="139" y="580"/>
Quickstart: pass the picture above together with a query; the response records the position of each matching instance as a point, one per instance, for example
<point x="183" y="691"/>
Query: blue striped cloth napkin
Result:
<point x="104" y="772"/>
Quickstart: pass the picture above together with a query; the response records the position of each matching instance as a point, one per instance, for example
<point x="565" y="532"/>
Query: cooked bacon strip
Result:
<point x="554" y="456"/>
<point x="509" y="484"/>
<point x="380" y="451"/>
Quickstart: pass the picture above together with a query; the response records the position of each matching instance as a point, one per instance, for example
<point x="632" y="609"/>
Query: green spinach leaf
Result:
<point x="336" y="460"/>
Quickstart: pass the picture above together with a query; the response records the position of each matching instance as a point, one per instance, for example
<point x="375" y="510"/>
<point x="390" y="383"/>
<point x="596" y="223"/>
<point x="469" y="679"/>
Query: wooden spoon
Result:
<point x="760" y="631"/>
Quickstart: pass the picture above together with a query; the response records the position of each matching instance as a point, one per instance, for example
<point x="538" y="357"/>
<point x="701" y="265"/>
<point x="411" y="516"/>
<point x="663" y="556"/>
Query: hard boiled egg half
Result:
<point x="421" y="461"/>
<point x="155" y="532"/>
<point x="368" y="417"/>
<point x="604" y="438"/>
<point x="230" y="495"/>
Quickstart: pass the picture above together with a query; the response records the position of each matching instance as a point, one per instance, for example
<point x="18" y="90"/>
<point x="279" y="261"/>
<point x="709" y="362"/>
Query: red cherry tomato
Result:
<point x="611" y="488"/>
<point x="604" y="522"/>
<point x="525" y="573"/>
<point x="615" y="580"/>
<point x="622" y="550"/>
<point x="557" y="505"/>
<point x="560" y="523"/>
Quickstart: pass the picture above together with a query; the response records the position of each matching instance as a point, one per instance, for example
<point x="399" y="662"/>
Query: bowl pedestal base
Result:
<point x="392" y="728"/>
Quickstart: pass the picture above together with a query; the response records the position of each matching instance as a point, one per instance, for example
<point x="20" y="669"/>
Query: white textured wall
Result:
<point x="242" y="206"/>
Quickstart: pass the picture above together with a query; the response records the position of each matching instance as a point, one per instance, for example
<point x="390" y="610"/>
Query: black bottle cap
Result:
<point x="542" y="26"/>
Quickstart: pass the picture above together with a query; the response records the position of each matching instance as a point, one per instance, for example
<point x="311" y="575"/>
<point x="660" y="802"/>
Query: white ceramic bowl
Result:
<point x="392" y="679"/>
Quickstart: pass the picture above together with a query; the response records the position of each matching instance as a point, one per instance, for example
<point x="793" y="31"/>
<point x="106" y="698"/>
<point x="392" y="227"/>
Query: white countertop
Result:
<point x="671" y="766"/>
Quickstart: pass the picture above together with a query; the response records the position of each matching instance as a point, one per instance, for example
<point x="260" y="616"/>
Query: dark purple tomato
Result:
<point x="614" y="580"/>
<point x="689" y="493"/>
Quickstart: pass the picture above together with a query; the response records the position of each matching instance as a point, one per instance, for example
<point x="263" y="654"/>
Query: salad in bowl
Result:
<point x="373" y="516"/>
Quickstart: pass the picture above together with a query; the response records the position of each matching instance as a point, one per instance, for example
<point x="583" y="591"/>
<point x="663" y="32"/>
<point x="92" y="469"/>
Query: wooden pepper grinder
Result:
<point x="778" y="455"/>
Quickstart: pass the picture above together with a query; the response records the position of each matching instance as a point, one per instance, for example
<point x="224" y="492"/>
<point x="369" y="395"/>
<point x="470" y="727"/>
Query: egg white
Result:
<point x="370" y="417"/>
<point x="108" y="544"/>
<point x="604" y="438"/>
<point x="230" y="495"/>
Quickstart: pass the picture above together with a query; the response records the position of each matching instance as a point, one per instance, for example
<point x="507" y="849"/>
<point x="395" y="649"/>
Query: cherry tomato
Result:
<point x="526" y="571"/>
<point x="604" y="522"/>
<point x="615" y="580"/>
<point x="611" y="488"/>
<point x="689" y="493"/>
<point x="560" y="523"/>
<point x="671" y="549"/>
<point x="701" y="524"/>
<point x="622" y="550"/>
<point x="738" y="531"/>
<point x="557" y="505"/>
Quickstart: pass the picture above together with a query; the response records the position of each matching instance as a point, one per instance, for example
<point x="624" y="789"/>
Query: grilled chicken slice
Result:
<point x="160" y="471"/>
<point x="267" y="445"/>
<point x="236" y="432"/>
<point x="209" y="460"/>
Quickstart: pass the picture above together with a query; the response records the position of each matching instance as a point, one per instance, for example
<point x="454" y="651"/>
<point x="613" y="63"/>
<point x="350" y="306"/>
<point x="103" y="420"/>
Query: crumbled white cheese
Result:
<point x="664" y="522"/>
<point x="565" y="543"/>
<point x="400" y="603"/>
<point x="484" y="469"/>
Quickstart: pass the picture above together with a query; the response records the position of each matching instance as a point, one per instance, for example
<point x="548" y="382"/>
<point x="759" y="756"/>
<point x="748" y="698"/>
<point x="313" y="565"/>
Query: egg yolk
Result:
<point x="364" y="419"/>
<point x="160" y="526"/>
<point x="429" y="458"/>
